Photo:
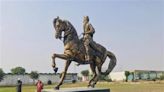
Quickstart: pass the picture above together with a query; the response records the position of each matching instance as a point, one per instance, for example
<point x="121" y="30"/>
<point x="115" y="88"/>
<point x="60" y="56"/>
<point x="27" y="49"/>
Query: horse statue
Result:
<point x="74" y="51"/>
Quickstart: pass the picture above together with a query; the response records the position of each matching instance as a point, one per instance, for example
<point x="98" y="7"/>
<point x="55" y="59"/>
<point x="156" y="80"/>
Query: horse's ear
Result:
<point x="57" y="17"/>
<point x="55" y="20"/>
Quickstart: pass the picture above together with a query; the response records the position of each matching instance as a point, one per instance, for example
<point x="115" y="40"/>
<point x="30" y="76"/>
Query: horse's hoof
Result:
<point x="89" y="86"/>
<point x="56" y="88"/>
<point x="92" y="86"/>
<point x="55" y="69"/>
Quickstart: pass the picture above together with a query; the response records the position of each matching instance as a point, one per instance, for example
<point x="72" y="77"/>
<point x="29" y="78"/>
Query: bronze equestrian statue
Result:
<point x="74" y="50"/>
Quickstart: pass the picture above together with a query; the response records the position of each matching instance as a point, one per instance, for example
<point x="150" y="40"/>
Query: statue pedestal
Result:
<point x="78" y="90"/>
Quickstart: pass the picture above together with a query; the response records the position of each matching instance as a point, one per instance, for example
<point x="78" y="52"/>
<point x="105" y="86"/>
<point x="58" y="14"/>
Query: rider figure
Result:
<point x="88" y="35"/>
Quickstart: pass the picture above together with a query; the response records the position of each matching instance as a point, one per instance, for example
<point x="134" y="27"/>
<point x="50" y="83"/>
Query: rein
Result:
<point x="69" y="32"/>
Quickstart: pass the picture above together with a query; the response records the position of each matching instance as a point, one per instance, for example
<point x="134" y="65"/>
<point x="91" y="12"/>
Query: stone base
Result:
<point x="78" y="90"/>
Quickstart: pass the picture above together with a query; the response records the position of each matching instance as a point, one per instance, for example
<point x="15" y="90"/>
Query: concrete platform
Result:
<point x="81" y="89"/>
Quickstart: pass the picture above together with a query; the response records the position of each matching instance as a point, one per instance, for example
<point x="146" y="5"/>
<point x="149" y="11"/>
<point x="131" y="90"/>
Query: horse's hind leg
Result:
<point x="97" y="77"/>
<point x="93" y="68"/>
<point x="63" y="74"/>
<point x="99" y="66"/>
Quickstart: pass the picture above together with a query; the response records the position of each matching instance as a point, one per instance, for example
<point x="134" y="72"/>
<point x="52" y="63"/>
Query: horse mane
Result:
<point x="73" y="36"/>
<point x="54" y="21"/>
<point x="72" y="29"/>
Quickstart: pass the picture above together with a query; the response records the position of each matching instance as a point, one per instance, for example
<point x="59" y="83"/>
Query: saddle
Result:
<point x="95" y="48"/>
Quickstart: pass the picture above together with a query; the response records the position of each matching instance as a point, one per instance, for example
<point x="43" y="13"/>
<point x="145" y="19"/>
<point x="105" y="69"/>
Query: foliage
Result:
<point x="18" y="70"/>
<point x="154" y="79"/>
<point x="85" y="72"/>
<point x="79" y="78"/>
<point x="2" y="74"/>
<point x="127" y="73"/>
<point x="132" y="75"/>
<point x="162" y="77"/>
<point x="49" y="82"/>
<point x="105" y="78"/>
<point x="73" y="81"/>
<point x="34" y="75"/>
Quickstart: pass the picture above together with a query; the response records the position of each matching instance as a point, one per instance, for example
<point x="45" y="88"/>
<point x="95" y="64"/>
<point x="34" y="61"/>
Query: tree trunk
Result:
<point x="34" y="81"/>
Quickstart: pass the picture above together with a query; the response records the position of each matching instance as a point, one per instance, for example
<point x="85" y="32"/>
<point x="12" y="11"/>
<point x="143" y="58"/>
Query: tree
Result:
<point x="127" y="73"/>
<point x="85" y="74"/>
<point x="2" y="74"/>
<point x="105" y="78"/>
<point x="162" y="77"/>
<point x="132" y="75"/>
<point x="34" y="75"/>
<point x="18" y="70"/>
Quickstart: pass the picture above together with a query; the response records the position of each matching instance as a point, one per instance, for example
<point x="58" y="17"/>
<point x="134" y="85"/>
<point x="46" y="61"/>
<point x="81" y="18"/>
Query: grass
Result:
<point x="114" y="87"/>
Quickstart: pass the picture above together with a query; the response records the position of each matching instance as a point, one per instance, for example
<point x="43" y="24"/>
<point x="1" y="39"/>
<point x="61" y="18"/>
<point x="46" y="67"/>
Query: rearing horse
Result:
<point x="74" y="51"/>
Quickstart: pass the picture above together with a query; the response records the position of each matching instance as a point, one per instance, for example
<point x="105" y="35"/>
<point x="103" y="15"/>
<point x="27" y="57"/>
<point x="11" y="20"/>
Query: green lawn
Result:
<point x="114" y="86"/>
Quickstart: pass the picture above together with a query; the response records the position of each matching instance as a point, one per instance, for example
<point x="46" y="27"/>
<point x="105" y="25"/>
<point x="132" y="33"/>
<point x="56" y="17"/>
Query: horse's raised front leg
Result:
<point x="67" y="63"/>
<point x="61" y="56"/>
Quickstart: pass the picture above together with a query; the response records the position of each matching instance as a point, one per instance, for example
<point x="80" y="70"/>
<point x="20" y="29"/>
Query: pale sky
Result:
<point x="132" y="29"/>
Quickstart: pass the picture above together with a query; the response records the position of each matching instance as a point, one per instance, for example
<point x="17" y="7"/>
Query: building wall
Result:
<point x="12" y="79"/>
<point x="44" y="78"/>
<point x="117" y="76"/>
<point x="138" y="75"/>
<point x="147" y="75"/>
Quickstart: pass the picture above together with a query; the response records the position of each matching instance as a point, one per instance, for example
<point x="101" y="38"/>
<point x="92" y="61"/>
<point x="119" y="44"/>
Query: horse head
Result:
<point x="59" y="27"/>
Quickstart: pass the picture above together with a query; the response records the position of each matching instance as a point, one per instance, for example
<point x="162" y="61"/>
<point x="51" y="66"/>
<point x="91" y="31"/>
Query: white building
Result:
<point x="117" y="76"/>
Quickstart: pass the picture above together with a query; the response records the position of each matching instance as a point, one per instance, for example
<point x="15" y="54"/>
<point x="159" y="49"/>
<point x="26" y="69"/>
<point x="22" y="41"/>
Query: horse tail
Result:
<point x="111" y="64"/>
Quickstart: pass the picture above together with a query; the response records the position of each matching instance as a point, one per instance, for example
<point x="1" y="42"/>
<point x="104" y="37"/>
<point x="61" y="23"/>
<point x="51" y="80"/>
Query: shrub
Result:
<point x="18" y="70"/>
<point x="2" y="74"/>
<point x="153" y="79"/>
<point x="85" y="72"/>
<point x="127" y="73"/>
<point x="73" y="81"/>
<point x="162" y="77"/>
<point x="49" y="82"/>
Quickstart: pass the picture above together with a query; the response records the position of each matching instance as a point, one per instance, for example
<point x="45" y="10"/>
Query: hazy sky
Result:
<point x="132" y="29"/>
